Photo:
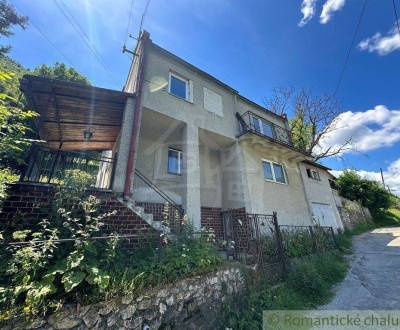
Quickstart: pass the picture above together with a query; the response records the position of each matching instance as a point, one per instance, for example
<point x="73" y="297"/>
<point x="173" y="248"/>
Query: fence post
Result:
<point x="314" y="241"/>
<point x="279" y="241"/>
<point x="334" y="238"/>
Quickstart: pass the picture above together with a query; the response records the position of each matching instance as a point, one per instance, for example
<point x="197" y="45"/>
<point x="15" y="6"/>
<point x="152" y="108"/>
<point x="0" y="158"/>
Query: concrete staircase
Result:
<point x="147" y="217"/>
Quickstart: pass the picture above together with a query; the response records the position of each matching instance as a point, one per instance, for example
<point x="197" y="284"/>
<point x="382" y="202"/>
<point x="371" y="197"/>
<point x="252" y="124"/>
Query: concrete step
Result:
<point x="147" y="217"/>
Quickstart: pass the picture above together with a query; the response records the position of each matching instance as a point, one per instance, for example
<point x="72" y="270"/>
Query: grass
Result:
<point x="307" y="286"/>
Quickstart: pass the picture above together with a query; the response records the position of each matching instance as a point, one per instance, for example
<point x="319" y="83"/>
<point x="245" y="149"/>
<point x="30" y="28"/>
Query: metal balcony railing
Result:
<point x="53" y="166"/>
<point x="250" y="122"/>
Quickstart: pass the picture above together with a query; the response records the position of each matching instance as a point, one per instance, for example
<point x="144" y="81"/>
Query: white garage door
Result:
<point x="323" y="213"/>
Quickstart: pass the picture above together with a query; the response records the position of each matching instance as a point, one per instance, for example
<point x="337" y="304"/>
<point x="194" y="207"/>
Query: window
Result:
<point x="274" y="172"/>
<point x="264" y="127"/>
<point x="174" y="161"/>
<point x="180" y="87"/>
<point x="212" y="102"/>
<point x="313" y="174"/>
<point x="268" y="171"/>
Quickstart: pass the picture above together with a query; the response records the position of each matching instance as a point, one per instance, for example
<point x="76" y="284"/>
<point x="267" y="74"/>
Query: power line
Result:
<point x="350" y="48"/>
<point x="76" y="26"/>
<point x="144" y="16"/>
<point x="129" y="23"/>
<point x="46" y="37"/>
<point x="397" y="18"/>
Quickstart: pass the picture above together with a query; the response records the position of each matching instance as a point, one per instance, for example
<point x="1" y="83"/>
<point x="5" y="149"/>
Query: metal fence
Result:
<point x="259" y="239"/>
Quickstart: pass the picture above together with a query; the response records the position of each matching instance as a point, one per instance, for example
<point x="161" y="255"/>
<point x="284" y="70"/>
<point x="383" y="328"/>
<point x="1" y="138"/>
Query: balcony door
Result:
<point x="263" y="127"/>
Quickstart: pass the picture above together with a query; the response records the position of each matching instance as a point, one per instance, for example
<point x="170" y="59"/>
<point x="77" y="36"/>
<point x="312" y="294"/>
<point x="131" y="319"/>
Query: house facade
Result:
<point x="211" y="149"/>
<point x="176" y="140"/>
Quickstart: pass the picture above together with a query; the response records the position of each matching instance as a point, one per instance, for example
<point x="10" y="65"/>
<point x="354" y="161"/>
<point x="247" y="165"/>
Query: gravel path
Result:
<point x="373" y="280"/>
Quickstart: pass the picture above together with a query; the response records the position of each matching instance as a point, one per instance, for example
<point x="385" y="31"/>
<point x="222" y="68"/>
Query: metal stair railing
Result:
<point x="161" y="193"/>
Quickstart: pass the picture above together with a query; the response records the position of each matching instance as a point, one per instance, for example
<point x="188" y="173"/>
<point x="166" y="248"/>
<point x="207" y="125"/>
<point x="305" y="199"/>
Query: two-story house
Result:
<point x="175" y="136"/>
<point x="211" y="149"/>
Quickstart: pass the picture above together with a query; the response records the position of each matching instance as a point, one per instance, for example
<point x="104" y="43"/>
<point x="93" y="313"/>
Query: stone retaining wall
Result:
<point x="351" y="213"/>
<point x="191" y="303"/>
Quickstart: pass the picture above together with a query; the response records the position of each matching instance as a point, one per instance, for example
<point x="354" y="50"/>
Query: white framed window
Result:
<point x="274" y="172"/>
<point x="180" y="87"/>
<point x="212" y="101"/>
<point x="174" y="161"/>
<point x="313" y="174"/>
<point x="263" y="127"/>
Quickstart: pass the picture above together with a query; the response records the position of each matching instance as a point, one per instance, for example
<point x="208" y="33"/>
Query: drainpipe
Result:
<point x="136" y="119"/>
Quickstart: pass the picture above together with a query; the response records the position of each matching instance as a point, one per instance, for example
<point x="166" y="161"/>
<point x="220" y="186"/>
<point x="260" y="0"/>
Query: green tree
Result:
<point x="370" y="194"/>
<point x="314" y="118"/>
<point x="62" y="72"/>
<point x="11" y="86"/>
<point x="15" y="127"/>
<point x="9" y="18"/>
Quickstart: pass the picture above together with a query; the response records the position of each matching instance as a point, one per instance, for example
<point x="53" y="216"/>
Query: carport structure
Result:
<point x="79" y="125"/>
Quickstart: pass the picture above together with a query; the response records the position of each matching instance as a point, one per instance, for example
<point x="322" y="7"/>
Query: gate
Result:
<point x="257" y="238"/>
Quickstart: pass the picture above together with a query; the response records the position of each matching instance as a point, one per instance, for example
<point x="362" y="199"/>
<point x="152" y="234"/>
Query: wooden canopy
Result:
<point x="69" y="109"/>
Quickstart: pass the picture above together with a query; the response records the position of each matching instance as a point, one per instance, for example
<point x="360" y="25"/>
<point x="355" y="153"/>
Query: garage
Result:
<point x="324" y="215"/>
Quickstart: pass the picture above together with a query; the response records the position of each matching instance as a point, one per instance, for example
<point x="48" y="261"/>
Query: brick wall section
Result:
<point x="211" y="218"/>
<point x="28" y="203"/>
<point x="25" y="204"/>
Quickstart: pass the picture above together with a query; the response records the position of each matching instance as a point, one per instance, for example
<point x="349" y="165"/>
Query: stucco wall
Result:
<point x="265" y="197"/>
<point x="210" y="177"/>
<point x="152" y="161"/>
<point x="157" y="98"/>
<point x="319" y="191"/>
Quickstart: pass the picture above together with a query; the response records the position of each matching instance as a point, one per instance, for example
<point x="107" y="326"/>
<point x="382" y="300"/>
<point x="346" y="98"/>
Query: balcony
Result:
<point x="250" y="122"/>
<point x="53" y="166"/>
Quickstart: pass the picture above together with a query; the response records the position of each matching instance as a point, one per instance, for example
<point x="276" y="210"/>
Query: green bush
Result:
<point x="306" y="280"/>
<point x="307" y="286"/>
<point x="6" y="176"/>
<point x="40" y="273"/>
<point x="371" y="194"/>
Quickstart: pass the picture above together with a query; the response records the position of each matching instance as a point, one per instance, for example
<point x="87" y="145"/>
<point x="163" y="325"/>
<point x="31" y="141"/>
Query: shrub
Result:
<point x="39" y="273"/>
<point x="6" y="176"/>
<point x="371" y="194"/>
<point x="305" y="279"/>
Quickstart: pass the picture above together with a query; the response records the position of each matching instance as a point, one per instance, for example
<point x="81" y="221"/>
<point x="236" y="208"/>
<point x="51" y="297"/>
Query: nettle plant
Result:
<point x="61" y="259"/>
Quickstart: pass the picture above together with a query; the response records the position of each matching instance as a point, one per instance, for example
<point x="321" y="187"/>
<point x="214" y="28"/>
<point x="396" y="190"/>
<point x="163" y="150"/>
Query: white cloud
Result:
<point x="391" y="176"/>
<point x="382" y="45"/>
<point x="369" y="130"/>
<point x="330" y="6"/>
<point x="308" y="11"/>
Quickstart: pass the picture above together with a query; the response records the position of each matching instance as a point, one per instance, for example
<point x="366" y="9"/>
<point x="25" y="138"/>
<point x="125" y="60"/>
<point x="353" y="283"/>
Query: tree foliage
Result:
<point x="314" y="118"/>
<point x="15" y="127"/>
<point x="62" y="72"/>
<point x="9" y="18"/>
<point x="370" y="194"/>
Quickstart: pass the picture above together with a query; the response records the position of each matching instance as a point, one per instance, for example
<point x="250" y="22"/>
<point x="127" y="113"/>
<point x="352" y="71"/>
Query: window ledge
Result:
<point x="181" y="98"/>
<point x="272" y="181"/>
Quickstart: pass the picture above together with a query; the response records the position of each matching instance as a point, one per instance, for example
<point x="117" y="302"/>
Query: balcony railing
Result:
<point x="250" y="122"/>
<point x="53" y="166"/>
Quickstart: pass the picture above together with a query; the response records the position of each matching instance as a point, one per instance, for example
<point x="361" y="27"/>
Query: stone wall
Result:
<point x="351" y="213"/>
<point x="191" y="303"/>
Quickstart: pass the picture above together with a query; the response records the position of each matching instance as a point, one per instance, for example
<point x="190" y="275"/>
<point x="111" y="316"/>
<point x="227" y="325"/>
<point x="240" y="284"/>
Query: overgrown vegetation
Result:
<point x="370" y="194"/>
<point x="307" y="286"/>
<point x="59" y="260"/>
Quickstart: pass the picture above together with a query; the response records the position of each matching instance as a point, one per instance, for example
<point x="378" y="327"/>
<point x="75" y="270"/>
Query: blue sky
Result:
<point x="253" y="46"/>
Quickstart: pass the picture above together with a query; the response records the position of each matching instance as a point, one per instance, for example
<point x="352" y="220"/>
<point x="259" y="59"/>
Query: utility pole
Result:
<point x="383" y="180"/>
